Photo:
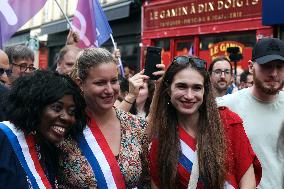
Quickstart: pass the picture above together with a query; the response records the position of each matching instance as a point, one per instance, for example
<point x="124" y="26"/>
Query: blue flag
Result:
<point x="91" y="24"/>
<point x="102" y="27"/>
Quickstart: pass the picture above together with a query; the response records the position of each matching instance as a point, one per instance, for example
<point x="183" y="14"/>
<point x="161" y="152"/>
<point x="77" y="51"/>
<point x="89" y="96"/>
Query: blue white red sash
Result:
<point x="98" y="153"/>
<point x="24" y="148"/>
<point x="188" y="148"/>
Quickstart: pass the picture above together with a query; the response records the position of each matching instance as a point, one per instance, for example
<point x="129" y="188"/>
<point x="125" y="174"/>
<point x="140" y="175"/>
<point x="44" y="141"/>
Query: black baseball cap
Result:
<point x="268" y="49"/>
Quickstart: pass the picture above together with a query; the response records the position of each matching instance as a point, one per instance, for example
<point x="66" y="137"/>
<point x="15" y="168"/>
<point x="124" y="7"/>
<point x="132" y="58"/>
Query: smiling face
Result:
<point x="101" y="87"/>
<point x="187" y="91"/>
<point x="57" y="118"/>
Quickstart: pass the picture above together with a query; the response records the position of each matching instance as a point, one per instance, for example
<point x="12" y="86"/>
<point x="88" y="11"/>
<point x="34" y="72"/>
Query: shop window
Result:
<point x="212" y="46"/>
<point x="247" y="39"/>
<point x="183" y="47"/>
<point x="166" y="53"/>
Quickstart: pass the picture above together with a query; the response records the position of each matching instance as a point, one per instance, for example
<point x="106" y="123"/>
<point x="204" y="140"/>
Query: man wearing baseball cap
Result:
<point x="262" y="108"/>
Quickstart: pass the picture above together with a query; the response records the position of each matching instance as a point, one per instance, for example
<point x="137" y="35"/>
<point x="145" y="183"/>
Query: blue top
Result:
<point x="12" y="175"/>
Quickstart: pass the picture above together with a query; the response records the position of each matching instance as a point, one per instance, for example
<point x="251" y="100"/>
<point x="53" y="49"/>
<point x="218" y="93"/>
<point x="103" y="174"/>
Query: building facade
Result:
<point x="203" y="28"/>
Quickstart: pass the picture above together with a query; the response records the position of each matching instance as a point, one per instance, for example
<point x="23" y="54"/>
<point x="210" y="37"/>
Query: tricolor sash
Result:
<point x="24" y="148"/>
<point x="98" y="153"/>
<point x="188" y="149"/>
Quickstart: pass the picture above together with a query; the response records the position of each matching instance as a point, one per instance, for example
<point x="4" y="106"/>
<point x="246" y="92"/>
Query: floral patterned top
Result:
<point x="132" y="158"/>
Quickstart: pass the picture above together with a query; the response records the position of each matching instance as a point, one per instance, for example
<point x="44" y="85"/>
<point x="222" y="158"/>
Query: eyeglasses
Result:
<point x="219" y="72"/>
<point x="199" y="63"/>
<point x="8" y="71"/>
<point x="24" y="67"/>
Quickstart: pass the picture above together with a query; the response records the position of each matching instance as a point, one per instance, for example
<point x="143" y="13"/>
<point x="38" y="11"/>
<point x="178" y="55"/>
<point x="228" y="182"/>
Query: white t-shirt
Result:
<point x="262" y="123"/>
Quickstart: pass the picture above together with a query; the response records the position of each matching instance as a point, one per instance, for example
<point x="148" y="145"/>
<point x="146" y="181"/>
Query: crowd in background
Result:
<point x="81" y="125"/>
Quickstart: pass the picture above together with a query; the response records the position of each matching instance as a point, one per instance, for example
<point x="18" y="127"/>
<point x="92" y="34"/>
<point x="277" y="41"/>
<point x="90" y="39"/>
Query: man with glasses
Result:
<point x="262" y="108"/>
<point x="220" y="71"/>
<point x="5" y="71"/>
<point x="22" y="61"/>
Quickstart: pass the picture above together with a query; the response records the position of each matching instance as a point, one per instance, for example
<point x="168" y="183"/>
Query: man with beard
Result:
<point x="220" y="71"/>
<point x="262" y="108"/>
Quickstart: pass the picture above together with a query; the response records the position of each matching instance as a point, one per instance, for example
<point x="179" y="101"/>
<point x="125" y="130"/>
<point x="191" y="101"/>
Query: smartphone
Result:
<point x="153" y="57"/>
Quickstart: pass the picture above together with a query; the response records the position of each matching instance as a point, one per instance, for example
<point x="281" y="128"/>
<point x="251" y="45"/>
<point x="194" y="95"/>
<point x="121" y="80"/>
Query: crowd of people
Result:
<point x="81" y="125"/>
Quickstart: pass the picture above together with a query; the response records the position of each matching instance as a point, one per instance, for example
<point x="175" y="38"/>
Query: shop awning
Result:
<point x="54" y="27"/>
<point x="18" y="38"/>
<point x="272" y="12"/>
<point x="117" y="11"/>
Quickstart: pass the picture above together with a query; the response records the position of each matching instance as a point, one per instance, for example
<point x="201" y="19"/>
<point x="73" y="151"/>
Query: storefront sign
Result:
<point x="195" y="12"/>
<point x="220" y="49"/>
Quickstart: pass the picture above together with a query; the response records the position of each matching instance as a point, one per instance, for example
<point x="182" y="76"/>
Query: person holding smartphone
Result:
<point x="195" y="144"/>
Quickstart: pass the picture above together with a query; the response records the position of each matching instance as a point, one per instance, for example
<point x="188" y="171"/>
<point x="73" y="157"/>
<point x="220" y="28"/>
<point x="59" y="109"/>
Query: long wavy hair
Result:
<point x="210" y="133"/>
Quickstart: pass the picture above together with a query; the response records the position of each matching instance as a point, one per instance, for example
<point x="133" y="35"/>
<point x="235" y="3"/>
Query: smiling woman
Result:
<point x="195" y="143"/>
<point x="113" y="149"/>
<point x="42" y="109"/>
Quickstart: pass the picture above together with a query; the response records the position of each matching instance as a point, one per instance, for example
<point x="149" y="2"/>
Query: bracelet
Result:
<point x="127" y="101"/>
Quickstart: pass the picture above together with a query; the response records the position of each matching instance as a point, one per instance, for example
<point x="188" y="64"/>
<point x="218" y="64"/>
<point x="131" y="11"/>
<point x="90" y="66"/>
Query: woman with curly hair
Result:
<point x="41" y="110"/>
<point x="196" y="145"/>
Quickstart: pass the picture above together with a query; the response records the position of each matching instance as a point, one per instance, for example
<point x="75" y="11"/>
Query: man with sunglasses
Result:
<point x="5" y="71"/>
<point x="262" y="108"/>
<point x="4" y="79"/>
<point x="220" y="71"/>
<point x="22" y="61"/>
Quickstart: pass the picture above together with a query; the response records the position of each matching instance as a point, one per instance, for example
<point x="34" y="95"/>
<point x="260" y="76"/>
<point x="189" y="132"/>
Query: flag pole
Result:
<point x="1" y="45"/>
<point x="119" y="59"/>
<point x="67" y="19"/>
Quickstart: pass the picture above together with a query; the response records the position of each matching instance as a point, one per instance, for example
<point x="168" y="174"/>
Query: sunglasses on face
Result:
<point x="199" y="63"/>
<point x="8" y="71"/>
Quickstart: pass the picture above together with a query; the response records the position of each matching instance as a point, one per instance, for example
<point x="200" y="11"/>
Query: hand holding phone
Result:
<point x="153" y="57"/>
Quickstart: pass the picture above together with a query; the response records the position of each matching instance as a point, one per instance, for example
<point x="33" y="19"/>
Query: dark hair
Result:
<point x="151" y="89"/>
<point x="21" y="52"/>
<point x="220" y="58"/>
<point x="30" y="94"/>
<point x="244" y="76"/>
<point x="124" y="85"/>
<point x="92" y="57"/>
<point x="64" y="50"/>
<point x="211" y="152"/>
<point x="9" y="51"/>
